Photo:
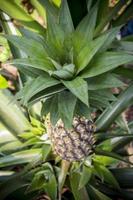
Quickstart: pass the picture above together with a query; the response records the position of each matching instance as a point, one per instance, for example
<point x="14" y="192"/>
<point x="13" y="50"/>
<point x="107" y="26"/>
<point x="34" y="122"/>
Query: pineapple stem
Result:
<point x="62" y="176"/>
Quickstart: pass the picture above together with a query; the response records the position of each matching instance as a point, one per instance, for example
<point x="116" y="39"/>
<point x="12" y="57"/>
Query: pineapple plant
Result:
<point x="71" y="71"/>
<point x="65" y="66"/>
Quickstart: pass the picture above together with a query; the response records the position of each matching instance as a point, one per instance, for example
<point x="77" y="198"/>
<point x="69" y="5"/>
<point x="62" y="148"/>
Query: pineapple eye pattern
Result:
<point x="76" y="143"/>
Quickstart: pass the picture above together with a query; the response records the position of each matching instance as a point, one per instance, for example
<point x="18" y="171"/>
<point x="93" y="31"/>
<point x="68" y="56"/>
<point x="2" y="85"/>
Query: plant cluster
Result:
<point x="64" y="132"/>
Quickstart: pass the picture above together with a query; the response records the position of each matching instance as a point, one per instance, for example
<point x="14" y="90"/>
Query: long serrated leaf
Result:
<point x="42" y="64"/>
<point x="31" y="47"/>
<point x="54" y="111"/>
<point x="112" y="155"/>
<point x="20" y="94"/>
<point x="51" y="187"/>
<point x="79" y="88"/>
<point x="97" y="194"/>
<point x="49" y="6"/>
<point x="78" y="194"/>
<point x="105" y="62"/>
<point x="31" y="34"/>
<point x="85" y="176"/>
<point x="39" y="84"/>
<point x="66" y="106"/>
<point x="82" y="110"/>
<point x="101" y="98"/>
<point x="111" y="113"/>
<point x="54" y="32"/>
<point x="89" y="4"/>
<point x="84" y="56"/>
<point x="11" y="115"/>
<point x="21" y="157"/>
<point x="49" y="107"/>
<point x="29" y="71"/>
<point x="103" y="10"/>
<point x="46" y="94"/>
<point x="104" y="94"/>
<point x="126" y="46"/>
<point x="103" y="81"/>
<point x="103" y="136"/>
<point x="46" y="107"/>
<point x="86" y="27"/>
<point x="65" y="19"/>
<point x="106" y="175"/>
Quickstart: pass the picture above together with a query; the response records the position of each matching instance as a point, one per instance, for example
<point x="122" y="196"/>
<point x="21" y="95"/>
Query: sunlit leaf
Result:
<point x="3" y="82"/>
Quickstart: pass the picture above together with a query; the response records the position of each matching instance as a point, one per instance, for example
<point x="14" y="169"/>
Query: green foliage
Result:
<point x="79" y="88"/>
<point x="3" y="82"/>
<point x="69" y="58"/>
<point x="85" y="176"/>
<point x="44" y="180"/>
<point x="70" y="68"/>
<point x="66" y="104"/>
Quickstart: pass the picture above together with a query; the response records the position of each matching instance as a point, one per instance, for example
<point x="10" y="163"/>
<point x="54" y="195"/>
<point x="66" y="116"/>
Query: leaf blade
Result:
<point x="65" y="19"/>
<point x="42" y="64"/>
<point x="85" y="55"/>
<point x="79" y="88"/>
<point x="66" y="106"/>
<point x="31" y="47"/>
<point x="105" y="62"/>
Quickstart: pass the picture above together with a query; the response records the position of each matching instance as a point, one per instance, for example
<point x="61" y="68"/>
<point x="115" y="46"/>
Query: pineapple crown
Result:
<point x="71" y="70"/>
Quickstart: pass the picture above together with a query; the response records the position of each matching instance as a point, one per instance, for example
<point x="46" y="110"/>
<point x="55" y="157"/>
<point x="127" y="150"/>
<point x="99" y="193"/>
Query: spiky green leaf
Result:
<point x="74" y="182"/>
<point x="85" y="29"/>
<point x="106" y="175"/>
<point x="54" y="32"/>
<point x="29" y="46"/>
<point x="43" y="64"/>
<point x="46" y="93"/>
<point x="66" y="106"/>
<point x="21" y="157"/>
<point x="65" y="19"/>
<point x="105" y="62"/>
<point x="95" y="193"/>
<point x="84" y="56"/>
<point x="38" y="85"/>
<point x="54" y="111"/>
<point x="103" y="81"/>
<point x="85" y="176"/>
<point x="79" y="88"/>
<point x="125" y="99"/>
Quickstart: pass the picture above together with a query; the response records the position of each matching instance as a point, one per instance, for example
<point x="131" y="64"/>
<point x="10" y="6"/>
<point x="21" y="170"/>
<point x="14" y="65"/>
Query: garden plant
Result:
<point x="65" y="131"/>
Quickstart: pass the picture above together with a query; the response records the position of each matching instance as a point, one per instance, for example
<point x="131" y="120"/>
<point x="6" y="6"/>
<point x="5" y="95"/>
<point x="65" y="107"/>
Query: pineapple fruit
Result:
<point x="70" y="72"/>
<point x="73" y="144"/>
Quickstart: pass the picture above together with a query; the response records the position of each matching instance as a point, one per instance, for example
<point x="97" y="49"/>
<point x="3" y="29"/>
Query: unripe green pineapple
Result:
<point x="70" y="71"/>
<point x="73" y="144"/>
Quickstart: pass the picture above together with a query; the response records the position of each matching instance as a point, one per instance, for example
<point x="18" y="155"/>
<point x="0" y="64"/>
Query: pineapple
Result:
<point x="70" y="72"/>
<point x="73" y="144"/>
